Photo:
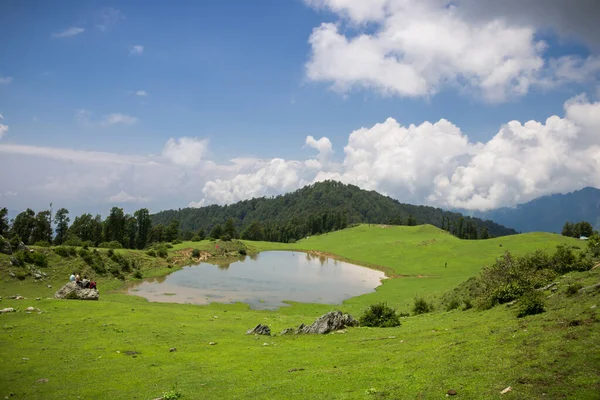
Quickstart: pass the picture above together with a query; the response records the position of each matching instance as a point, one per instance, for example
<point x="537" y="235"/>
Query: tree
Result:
<point x="583" y="228"/>
<point x="24" y="224"/>
<point x="131" y="227"/>
<point x="172" y="231"/>
<point x="201" y="235"/>
<point x="157" y="233"/>
<point x="411" y="221"/>
<point x="61" y="220"/>
<point x="567" y="229"/>
<point x="42" y="229"/>
<point x="594" y="244"/>
<point x="216" y="232"/>
<point x="484" y="233"/>
<point x="254" y="232"/>
<point x="114" y="226"/>
<point x="229" y="229"/>
<point x="144" y="225"/>
<point x="4" y="221"/>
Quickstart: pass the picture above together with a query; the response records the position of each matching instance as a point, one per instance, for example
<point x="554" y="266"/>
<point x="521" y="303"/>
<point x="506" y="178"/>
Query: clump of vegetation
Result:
<point x="531" y="303"/>
<point x="42" y="243"/>
<point x="65" y="251"/>
<point x="15" y="241"/>
<point x="195" y="253"/>
<point x="380" y="315"/>
<point x="467" y="304"/>
<point x="242" y="251"/>
<point x="151" y="253"/>
<point x="453" y="304"/>
<point x="138" y="275"/>
<point x="173" y="394"/>
<point x="110" y="245"/>
<point x="573" y="289"/>
<point x="39" y="259"/>
<point x="161" y="250"/>
<point x="421" y="306"/>
<point x="22" y="274"/>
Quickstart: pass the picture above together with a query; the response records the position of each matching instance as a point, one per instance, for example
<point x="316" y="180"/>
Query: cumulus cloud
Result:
<point x="141" y="93"/>
<point x="136" y="50"/>
<point x="430" y="163"/>
<point x="118" y="118"/>
<point x="73" y="31"/>
<point x="186" y="151"/>
<point x="3" y="130"/>
<point x="124" y="197"/>
<point x="84" y="118"/>
<point x="416" y="48"/>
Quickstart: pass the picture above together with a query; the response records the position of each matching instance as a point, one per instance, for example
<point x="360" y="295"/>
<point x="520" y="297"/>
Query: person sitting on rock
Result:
<point x="93" y="285"/>
<point x="72" y="277"/>
<point x="85" y="282"/>
<point x="78" y="281"/>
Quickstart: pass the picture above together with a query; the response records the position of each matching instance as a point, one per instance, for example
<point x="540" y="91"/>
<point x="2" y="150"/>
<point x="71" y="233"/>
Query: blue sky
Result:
<point x="252" y="80"/>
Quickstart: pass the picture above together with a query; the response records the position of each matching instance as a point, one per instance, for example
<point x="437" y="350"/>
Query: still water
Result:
<point x="263" y="281"/>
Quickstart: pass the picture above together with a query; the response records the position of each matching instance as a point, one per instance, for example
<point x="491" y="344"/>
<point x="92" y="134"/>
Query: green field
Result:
<point x="118" y="347"/>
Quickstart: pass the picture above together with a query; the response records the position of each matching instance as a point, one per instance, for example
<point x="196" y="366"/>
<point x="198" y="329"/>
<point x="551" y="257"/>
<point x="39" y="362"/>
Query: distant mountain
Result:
<point x="305" y="207"/>
<point x="549" y="213"/>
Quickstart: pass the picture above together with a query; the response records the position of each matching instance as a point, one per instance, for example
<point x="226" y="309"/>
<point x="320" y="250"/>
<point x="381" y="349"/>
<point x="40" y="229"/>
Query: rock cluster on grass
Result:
<point x="330" y="322"/>
<point x="259" y="330"/>
<point x="72" y="291"/>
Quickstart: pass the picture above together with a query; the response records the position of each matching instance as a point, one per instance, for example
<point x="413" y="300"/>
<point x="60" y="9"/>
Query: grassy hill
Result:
<point x="119" y="346"/>
<point x="302" y="207"/>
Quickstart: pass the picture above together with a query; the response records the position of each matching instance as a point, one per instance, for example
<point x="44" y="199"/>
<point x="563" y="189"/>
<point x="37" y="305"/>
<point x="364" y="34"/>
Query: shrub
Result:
<point x="292" y="241"/>
<point x="169" y="245"/>
<point x="42" y="243"/>
<point x="226" y="238"/>
<point x="72" y="241"/>
<point x="467" y="304"/>
<point x="421" y="306"/>
<point x="195" y="253"/>
<point x="196" y="238"/>
<point x="21" y="275"/>
<point x="573" y="289"/>
<point x="151" y="253"/>
<point x="110" y="253"/>
<point x="65" y="251"/>
<point x="176" y="241"/>
<point x="15" y="241"/>
<point x="531" y="303"/>
<point x="172" y="395"/>
<point x="39" y="259"/>
<point x="161" y="250"/>
<point x="138" y="275"/>
<point x="380" y="315"/>
<point x="110" y="245"/>
<point x="563" y="259"/>
<point x="453" y="304"/>
<point x="242" y="251"/>
<point x="87" y="244"/>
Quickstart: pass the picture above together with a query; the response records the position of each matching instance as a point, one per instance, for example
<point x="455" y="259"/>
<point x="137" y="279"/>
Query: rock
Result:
<point x="212" y="343"/>
<point x="508" y="389"/>
<point x="548" y="286"/>
<point x="72" y="291"/>
<point x="38" y="298"/>
<point x="14" y="262"/>
<point x="5" y="247"/>
<point x="37" y="276"/>
<point x="172" y="349"/>
<point x="49" y="286"/>
<point x="21" y="246"/>
<point x="332" y="321"/>
<point x="287" y="331"/>
<point x="259" y="330"/>
<point x="451" y="392"/>
<point x="7" y="310"/>
<point x="30" y="309"/>
<point x="12" y="274"/>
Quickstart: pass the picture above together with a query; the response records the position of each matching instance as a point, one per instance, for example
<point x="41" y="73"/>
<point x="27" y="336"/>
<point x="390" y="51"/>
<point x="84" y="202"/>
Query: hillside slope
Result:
<point x="358" y="206"/>
<point x="549" y="213"/>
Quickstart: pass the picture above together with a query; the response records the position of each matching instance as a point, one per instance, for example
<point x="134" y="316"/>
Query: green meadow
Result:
<point x="120" y="346"/>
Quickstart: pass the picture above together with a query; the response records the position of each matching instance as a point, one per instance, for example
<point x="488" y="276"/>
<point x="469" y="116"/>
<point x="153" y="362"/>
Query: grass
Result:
<point x="119" y="347"/>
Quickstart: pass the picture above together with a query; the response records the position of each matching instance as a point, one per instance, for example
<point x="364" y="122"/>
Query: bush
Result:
<point x="42" y="243"/>
<point x="195" y="253"/>
<point x="226" y="238"/>
<point x="531" y="303"/>
<point x="110" y="245"/>
<point x="196" y="238"/>
<point x="453" y="304"/>
<point x="21" y="275"/>
<point x="15" y="241"/>
<point x="65" y="251"/>
<point x="39" y="259"/>
<point x="380" y="315"/>
<point x="421" y="306"/>
<point x="110" y="253"/>
<point x="176" y="241"/>
<point x="292" y="241"/>
<point x="467" y="304"/>
<point x="87" y="244"/>
<point x="242" y="251"/>
<point x="138" y="275"/>
<point x="151" y="253"/>
<point x="161" y="250"/>
<point x="72" y="241"/>
<point x="573" y="289"/>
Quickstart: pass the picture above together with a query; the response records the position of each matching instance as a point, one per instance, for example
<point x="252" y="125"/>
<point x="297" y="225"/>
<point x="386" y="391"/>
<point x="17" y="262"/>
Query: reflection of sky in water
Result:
<point x="264" y="281"/>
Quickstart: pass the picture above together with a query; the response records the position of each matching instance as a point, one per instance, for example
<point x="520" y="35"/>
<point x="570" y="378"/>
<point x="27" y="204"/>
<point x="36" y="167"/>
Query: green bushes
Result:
<point x="453" y="304"/>
<point x="573" y="289"/>
<point x="39" y="259"/>
<point x="531" y="303"/>
<point x="21" y="275"/>
<point x="65" y="251"/>
<point x="242" y="251"/>
<point x="42" y="243"/>
<point x="195" y="253"/>
<point x="421" y="306"/>
<point x="138" y="275"/>
<point x="151" y="253"/>
<point x="380" y="315"/>
<point x="110" y="245"/>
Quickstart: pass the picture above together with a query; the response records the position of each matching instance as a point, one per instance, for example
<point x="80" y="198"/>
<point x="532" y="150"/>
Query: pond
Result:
<point x="263" y="281"/>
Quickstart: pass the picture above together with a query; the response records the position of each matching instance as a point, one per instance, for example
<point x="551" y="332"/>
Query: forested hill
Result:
<point x="323" y="207"/>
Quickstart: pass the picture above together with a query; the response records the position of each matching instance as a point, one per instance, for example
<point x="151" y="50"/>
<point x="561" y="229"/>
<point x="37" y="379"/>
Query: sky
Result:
<point x="456" y="104"/>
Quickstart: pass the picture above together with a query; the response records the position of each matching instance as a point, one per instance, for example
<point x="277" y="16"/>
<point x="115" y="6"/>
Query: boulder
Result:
<point x="332" y="321"/>
<point x="14" y="262"/>
<point x="259" y="330"/>
<point x="21" y="246"/>
<point x="72" y="291"/>
<point x="7" y="310"/>
<point x="5" y="247"/>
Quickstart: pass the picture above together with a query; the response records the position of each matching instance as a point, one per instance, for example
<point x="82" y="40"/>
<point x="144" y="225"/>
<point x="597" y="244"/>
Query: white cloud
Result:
<point x="414" y="48"/>
<point x="186" y="151"/>
<point x="73" y="31"/>
<point x="118" y="119"/>
<point x="141" y="93"/>
<point x="3" y="130"/>
<point x="1" y="116"/>
<point x="5" y="80"/>
<point x="124" y="197"/>
<point x="136" y="50"/>
<point x="108" y="17"/>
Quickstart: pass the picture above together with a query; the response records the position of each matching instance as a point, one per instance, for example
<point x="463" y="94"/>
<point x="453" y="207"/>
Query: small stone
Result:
<point x="30" y="309"/>
<point x="172" y="349"/>
<point x="118" y="352"/>
<point x="25" y="359"/>
<point x="49" y="286"/>
<point x="38" y="298"/>
<point x="452" y="392"/>
<point x="7" y="310"/>
<point x="508" y="389"/>
<point x="212" y="343"/>
<point x="265" y="344"/>
<point x="594" y="306"/>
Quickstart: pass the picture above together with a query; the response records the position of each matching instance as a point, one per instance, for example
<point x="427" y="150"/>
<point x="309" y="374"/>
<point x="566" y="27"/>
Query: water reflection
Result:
<point x="264" y="282"/>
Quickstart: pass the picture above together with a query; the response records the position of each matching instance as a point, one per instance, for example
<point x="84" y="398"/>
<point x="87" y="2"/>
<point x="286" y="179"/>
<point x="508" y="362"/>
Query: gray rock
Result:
<point x="21" y="246"/>
<point x="332" y="321"/>
<point x="287" y="331"/>
<point x="259" y="330"/>
<point x="7" y="310"/>
<point x="12" y="274"/>
<point x="72" y="291"/>
<point x="37" y="276"/>
<point x="14" y="262"/>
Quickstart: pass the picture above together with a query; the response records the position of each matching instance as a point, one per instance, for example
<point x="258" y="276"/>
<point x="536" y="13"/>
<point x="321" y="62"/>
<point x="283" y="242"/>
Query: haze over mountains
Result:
<point x="549" y="213"/>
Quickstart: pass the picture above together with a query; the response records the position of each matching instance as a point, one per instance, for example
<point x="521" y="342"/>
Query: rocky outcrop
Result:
<point x="330" y="322"/>
<point x="74" y="292"/>
<point x="259" y="330"/>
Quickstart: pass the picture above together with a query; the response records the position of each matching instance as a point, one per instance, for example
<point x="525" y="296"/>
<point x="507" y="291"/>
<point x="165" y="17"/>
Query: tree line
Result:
<point x="577" y="230"/>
